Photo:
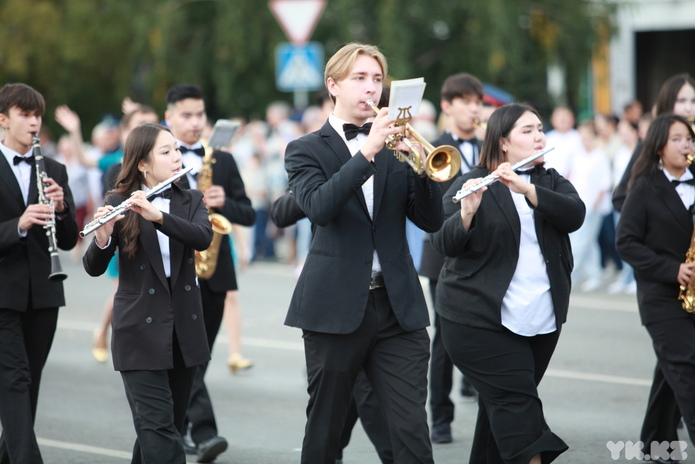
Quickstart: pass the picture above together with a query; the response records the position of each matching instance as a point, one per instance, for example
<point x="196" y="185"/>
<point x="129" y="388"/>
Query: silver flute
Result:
<point x="57" y="273"/>
<point x="126" y="205"/>
<point x="492" y="178"/>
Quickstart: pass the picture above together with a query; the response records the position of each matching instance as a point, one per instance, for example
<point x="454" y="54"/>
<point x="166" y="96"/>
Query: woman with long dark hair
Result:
<point x="653" y="236"/>
<point x="158" y="330"/>
<point x="503" y="293"/>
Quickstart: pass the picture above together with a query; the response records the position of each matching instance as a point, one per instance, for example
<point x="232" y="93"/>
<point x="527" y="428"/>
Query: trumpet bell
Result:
<point x="443" y="163"/>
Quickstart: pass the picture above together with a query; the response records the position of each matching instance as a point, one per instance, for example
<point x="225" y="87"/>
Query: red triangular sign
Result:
<point x="297" y="18"/>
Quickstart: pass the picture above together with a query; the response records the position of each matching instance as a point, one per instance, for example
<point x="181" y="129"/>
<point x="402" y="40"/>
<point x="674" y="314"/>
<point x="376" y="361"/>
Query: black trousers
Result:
<point x="662" y="416"/>
<point x="395" y="362"/>
<point x="201" y="415"/>
<point x="158" y="402"/>
<point x="366" y="407"/>
<point x="25" y="341"/>
<point x="674" y="345"/>
<point x="506" y="369"/>
<point x="441" y="373"/>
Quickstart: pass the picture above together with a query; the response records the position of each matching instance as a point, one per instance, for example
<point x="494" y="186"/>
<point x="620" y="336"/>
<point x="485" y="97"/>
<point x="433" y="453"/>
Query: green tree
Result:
<point x="92" y="53"/>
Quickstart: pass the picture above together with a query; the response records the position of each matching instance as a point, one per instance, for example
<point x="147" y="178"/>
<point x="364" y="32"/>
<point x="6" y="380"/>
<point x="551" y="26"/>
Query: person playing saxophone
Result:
<point x="653" y="236"/>
<point x="185" y="115"/>
<point x="29" y="301"/>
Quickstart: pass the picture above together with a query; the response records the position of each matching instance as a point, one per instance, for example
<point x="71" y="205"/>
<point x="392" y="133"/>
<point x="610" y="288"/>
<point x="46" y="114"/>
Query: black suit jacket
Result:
<point x="332" y="290"/>
<point x="653" y="235"/>
<point x="25" y="262"/>
<point x="285" y="211"/>
<point x="480" y="263"/>
<point x="432" y="262"/>
<point x="146" y="311"/>
<point x="237" y="209"/>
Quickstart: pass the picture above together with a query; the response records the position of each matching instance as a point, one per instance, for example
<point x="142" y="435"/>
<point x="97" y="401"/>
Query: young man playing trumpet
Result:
<point x="358" y="299"/>
<point x="29" y="301"/>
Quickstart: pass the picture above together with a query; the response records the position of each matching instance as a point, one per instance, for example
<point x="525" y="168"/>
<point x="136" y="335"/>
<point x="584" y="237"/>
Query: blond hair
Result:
<point x="340" y="64"/>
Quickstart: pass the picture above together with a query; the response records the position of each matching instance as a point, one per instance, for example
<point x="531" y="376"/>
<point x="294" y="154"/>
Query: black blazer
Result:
<point x="432" y="262"/>
<point x="237" y="209"/>
<point x="25" y="262"/>
<point x="480" y="263"/>
<point x="285" y="211"/>
<point x="332" y="290"/>
<point x="653" y="235"/>
<point x="145" y="310"/>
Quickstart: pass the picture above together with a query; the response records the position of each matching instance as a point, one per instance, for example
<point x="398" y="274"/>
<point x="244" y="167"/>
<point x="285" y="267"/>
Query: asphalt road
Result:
<point x="595" y="391"/>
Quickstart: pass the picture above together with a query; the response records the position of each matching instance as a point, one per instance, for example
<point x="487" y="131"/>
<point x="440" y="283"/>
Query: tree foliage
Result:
<point x="91" y="53"/>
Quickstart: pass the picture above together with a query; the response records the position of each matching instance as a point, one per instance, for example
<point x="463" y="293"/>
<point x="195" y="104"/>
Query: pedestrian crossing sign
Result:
<point x="299" y="67"/>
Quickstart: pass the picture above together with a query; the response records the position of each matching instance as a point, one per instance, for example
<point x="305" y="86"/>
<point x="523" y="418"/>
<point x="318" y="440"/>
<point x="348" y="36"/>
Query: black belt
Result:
<point x="377" y="281"/>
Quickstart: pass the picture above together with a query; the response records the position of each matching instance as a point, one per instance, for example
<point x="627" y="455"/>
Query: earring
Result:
<point x="144" y="173"/>
<point x="661" y="163"/>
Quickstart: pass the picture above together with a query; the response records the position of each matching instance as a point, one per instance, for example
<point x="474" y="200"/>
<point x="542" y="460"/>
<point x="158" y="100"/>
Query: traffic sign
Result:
<point x="299" y="67"/>
<point x="297" y="18"/>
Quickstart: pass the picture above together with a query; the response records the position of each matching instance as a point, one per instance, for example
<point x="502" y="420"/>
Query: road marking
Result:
<point x="45" y="442"/>
<point x="605" y="304"/>
<point x="598" y="377"/>
<point x="299" y="347"/>
<point x="84" y="448"/>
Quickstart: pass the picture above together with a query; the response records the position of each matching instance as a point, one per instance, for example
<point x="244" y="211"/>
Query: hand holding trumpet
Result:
<point x="382" y="129"/>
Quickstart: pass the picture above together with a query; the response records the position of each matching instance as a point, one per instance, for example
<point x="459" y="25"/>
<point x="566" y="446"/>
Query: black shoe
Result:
<point x="188" y="445"/>
<point x="210" y="449"/>
<point x="441" y="433"/>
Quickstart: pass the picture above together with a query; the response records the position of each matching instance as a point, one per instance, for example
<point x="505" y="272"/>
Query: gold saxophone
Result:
<point x="687" y="292"/>
<point x="206" y="261"/>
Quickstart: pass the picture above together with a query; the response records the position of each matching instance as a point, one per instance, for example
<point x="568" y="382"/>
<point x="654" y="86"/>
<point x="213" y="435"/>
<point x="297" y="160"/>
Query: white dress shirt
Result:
<point x="354" y="146"/>
<point x="527" y="307"/>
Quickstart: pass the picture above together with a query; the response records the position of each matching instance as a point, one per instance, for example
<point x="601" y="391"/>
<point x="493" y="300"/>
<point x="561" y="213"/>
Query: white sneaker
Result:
<point x="591" y="285"/>
<point x="631" y="288"/>
<point x="616" y="287"/>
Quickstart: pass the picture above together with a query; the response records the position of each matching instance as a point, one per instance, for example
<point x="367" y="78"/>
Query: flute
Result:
<point x="492" y="178"/>
<point x="125" y="206"/>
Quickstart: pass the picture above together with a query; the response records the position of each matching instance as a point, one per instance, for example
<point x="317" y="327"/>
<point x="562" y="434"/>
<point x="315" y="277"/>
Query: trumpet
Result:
<point x="440" y="164"/>
<point x="492" y="178"/>
<point x="125" y="206"/>
<point x="478" y="123"/>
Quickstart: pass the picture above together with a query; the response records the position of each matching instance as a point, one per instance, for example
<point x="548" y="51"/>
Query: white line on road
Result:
<point x="84" y="448"/>
<point x="598" y="377"/>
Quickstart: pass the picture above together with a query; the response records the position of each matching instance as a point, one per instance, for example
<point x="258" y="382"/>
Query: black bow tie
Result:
<point x="677" y="182"/>
<point x="529" y="170"/>
<point x="198" y="151"/>
<point x="352" y="130"/>
<point x="27" y="159"/>
<point x="166" y="193"/>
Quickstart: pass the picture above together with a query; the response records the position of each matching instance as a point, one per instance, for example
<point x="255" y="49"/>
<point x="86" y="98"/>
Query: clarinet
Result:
<point x="57" y="273"/>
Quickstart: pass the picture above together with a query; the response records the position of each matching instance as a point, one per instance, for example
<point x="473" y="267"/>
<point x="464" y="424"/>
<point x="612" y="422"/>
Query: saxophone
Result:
<point x="687" y="292"/>
<point x="206" y="261"/>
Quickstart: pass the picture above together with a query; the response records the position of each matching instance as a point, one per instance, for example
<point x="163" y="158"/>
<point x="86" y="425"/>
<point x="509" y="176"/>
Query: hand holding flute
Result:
<point x="138" y="201"/>
<point x="472" y="187"/>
